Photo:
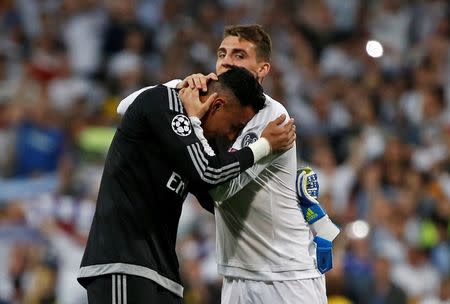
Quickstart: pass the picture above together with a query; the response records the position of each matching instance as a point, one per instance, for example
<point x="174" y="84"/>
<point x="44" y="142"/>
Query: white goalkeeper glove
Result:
<point x="325" y="230"/>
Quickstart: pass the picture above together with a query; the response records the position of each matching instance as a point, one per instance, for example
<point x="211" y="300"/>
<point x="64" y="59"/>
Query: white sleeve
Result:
<point x="127" y="101"/>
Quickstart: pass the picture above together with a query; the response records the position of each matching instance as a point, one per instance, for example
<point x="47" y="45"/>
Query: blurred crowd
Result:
<point x="376" y="130"/>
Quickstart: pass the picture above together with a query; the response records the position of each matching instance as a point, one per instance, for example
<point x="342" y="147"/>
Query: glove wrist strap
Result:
<point x="325" y="228"/>
<point x="312" y="213"/>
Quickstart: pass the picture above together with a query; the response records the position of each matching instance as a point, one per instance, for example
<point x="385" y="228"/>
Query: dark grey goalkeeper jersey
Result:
<point x="154" y="160"/>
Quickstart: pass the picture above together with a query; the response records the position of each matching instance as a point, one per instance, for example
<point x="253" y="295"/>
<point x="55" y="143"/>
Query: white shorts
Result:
<point x="305" y="291"/>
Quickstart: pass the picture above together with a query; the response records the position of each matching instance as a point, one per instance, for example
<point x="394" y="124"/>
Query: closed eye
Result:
<point x="240" y="55"/>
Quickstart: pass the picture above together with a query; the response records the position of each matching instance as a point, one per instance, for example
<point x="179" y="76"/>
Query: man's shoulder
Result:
<point x="275" y="104"/>
<point x="272" y="110"/>
<point x="156" y="90"/>
<point x="256" y="125"/>
<point x="145" y="92"/>
<point x="159" y="97"/>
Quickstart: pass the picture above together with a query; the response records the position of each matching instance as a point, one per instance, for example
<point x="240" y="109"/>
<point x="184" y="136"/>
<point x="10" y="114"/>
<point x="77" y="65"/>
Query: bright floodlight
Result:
<point x="374" y="48"/>
<point x="358" y="229"/>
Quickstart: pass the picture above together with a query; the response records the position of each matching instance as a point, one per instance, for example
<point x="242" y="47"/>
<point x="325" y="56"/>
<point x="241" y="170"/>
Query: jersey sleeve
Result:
<point x="172" y="130"/>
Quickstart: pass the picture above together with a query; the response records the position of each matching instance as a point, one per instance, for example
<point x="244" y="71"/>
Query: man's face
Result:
<point x="240" y="52"/>
<point x="230" y="118"/>
<point x="226" y="118"/>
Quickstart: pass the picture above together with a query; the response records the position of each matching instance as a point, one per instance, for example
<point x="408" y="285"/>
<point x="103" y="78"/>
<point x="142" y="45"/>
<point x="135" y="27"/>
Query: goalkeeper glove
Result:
<point x="325" y="230"/>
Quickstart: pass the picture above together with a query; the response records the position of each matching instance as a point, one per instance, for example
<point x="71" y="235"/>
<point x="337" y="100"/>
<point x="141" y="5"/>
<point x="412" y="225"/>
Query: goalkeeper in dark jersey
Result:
<point x="154" y="160"/>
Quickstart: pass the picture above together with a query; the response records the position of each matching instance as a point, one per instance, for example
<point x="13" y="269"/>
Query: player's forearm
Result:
<point x="230" y="188"/>
<point x="211" y="171"/>
<point x="260" y="148"/>
<point x="225" y="191"/>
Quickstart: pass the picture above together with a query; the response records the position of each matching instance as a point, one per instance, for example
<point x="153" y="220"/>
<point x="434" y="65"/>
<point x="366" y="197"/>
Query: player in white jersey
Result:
<point x="265" y="248"/>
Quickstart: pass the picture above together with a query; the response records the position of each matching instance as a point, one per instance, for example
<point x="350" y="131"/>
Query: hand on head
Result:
<point x="280" y="137"/>
<point x="192" y="104"/>
<point x="198" y="81"/>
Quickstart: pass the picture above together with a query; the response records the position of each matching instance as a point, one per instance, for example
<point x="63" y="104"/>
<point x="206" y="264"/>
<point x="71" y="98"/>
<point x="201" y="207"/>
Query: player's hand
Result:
<point x="324" y="229"/>
<point x="198" y="81"/>
<point x="307" y="186"/>
<point x="280" y="137"/>
<point x="192" y="104"/>
<point x="308" y="192"/>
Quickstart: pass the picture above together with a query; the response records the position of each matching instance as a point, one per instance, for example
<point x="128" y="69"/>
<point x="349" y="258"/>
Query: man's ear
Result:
<point x="263" y="70"/>
<point x="217" y="104"/>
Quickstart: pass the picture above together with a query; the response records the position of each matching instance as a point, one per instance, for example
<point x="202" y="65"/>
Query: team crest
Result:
<point x="248" y="139"/>
<point x="181" y="125"/>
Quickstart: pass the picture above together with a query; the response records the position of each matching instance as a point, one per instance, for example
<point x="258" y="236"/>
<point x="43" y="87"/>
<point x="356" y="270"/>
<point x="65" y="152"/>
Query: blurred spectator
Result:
<point x="8" y="79"/>
<point x="382" y="290"/>
<point x="66" y="91"/>
<point x="335" y="283"/>
<point x="397" y="17"/>
<point x="358" y="270"/>
<point x="6" y="138"/>
<point x="82" y="27"/>
<point x="444" y="294"/>
<point x="336" y="179"/>
<point x="417" y="266"/>
<point x="121" y="23"/>
<point x="39" y="144"/>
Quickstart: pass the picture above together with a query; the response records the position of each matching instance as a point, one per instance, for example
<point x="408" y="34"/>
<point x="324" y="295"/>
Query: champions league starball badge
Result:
<point x="181" y="125"/>
<point x="249" y="138"/>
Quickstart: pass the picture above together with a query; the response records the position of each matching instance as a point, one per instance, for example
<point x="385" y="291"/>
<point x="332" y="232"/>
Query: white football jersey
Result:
<point x="261" y="233"/>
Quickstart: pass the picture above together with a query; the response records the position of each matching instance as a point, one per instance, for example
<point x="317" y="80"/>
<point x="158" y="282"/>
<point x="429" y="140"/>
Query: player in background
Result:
<point x="265" y="249"/>
<point x="153" y="162"/>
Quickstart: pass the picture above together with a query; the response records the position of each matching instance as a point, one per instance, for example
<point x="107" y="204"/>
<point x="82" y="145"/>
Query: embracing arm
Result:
<point x="229" y="189"/>
<point x="172" y="130"/>
<point x="263" y="160"/>
<point x="170" y="127"/>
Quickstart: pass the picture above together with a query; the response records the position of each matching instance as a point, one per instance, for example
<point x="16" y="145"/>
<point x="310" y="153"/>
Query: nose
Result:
<point x="226" y="66"/>
<point x="226" y="62"/>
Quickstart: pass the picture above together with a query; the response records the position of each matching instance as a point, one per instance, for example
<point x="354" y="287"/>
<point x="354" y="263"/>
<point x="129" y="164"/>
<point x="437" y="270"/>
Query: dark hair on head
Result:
<point x="256" y="35"/>
<point x="244" y="86"/>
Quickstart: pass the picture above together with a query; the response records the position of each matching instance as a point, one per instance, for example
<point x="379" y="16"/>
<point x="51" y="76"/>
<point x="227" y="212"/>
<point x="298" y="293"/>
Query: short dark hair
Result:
<point x="256" y="35"/>
<point x="244" y="86"/>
